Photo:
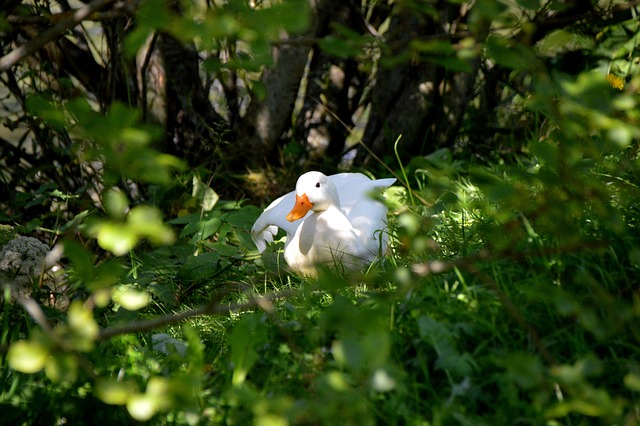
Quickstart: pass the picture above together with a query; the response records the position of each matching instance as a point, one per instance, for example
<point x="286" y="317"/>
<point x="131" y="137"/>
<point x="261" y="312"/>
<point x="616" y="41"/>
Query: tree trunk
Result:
<point x="266" y="119"/>
<point x="401" y="95"/>
<point x="177" y="100"/>
<point x="334" y="88"/>
<point x="419" y="101"/>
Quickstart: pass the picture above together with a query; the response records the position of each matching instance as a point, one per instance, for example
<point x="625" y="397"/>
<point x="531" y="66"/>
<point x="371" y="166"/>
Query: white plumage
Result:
<point x="329" y="220"/>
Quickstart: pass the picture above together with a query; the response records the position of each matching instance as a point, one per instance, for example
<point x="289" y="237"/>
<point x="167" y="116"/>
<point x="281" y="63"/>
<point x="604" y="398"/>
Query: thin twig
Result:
<point x="36" y="313"/>
<point x="57" y="17"/>
<point x="51" y="34"/>
<point x="263" y="302"/>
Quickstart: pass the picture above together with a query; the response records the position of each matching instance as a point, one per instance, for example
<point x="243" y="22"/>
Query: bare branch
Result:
<point x="263" y="302"/>
<point x="212" y="308"/>
<point x="119" y="12"/>
<point x="51" y="34"/>
<point x="36" y="313"/>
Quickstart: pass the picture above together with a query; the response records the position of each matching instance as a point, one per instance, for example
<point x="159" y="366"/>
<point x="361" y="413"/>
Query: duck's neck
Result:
<point x="332" y="200"/>
<point x="327" y="207"/>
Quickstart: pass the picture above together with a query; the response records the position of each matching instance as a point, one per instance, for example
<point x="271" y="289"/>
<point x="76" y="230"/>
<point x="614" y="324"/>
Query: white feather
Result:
<point x="346" y="230"/>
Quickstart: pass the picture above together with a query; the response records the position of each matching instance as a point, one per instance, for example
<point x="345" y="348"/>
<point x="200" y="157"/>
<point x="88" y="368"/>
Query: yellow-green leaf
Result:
<point x="61" y="367"/>
<point x="116" y="203"/>
<point x="159" y="389"/>
<point x="142" y="406"/>
<point x="116" y="238"/>
<point x="27" y="356"/>
<point x="208" y="197"/>
<point x="146" y="221"/>
<point x="632" y="381"/>
<point x="131" y="299"/>
<point x="112" y="392"/>
<point x="337" y="381"/>
<point x="81" y="322"/>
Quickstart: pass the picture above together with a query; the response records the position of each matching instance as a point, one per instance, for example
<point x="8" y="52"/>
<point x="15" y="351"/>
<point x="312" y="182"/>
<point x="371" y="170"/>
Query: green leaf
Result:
<point x="168" y="345"/>
<point x="195" y="348"/>
<point x="136" y="39"/>
<point x="555" y="42"/>
<point x="632" y="381"/>
<point x="46" y="110"/>
<point x="61" y="367"/>
<point x="136" y="136"/>
<point x="116" y="238"/>
<point x="291" y="16"/>
<point x="346" y="44"/>
<point x="452" y="63"/>
<point x="443" y="339"/>
<point x="83" y="325"/>
<point x="27" y="356"/>
<point x="81" y="258"/>
<point x="338" y="381"/>
<point x="154" y="14"/>
<point x="524" y="369"/>
<point x="113" y="392"/>
<point x="434" y="46"/>
<point x="202" y="229"/>
<point x="130" y="298"/>
<point x="515" y="56"/>
<point x="200" y="267"/>
<point x="546" y="153"/>
<point x="204" y="193"/>
<point x="146" y="221"/>
<point x="115" y="203"/>
<point x="338" y="47"/>
<point x="347" y="352"/>
<point x="529" y="4"/>
<point x="247" y="335"/>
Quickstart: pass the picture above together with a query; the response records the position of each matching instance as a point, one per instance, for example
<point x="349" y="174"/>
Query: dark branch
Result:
<point x="263" y="302"/>
<point x="52" y="33"/>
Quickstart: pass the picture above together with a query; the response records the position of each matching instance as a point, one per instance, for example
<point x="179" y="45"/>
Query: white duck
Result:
<point x="329" y="220"/>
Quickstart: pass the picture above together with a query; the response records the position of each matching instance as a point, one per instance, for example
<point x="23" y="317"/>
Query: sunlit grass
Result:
<point x="469" y="337"/>
<point x="474" y="316"/>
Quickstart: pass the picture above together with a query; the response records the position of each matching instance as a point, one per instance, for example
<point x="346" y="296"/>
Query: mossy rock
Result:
<point x="7" y="233"/>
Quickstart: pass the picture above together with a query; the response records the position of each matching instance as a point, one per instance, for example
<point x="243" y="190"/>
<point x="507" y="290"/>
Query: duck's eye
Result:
<point x="318" y="185"/>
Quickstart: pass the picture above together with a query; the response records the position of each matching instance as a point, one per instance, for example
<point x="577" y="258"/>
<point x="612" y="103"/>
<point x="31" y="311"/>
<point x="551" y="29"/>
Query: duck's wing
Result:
<point x="355" y="187"/>
<point x="366" y="214"/>
<point x="272" y="218"/>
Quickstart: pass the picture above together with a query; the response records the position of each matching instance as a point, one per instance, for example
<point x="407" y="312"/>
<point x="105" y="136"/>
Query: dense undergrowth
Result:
<point x="510" y="296"/>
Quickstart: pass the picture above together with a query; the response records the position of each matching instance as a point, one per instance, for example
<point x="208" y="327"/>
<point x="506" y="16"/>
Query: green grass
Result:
<point x="485" y="313"/>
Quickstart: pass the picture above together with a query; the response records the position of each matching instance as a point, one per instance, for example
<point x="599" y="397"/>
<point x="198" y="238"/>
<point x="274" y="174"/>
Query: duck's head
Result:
<point x="314" y="191"/>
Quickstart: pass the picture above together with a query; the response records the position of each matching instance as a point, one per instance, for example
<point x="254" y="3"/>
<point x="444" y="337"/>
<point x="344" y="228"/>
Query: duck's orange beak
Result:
<point x="300" y="208"/>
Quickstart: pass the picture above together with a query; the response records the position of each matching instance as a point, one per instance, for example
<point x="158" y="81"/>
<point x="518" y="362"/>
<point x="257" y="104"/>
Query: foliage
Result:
<point x="510" y="295"/>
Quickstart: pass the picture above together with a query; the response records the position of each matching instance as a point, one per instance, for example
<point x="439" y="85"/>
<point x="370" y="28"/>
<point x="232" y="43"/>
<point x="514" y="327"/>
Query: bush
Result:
<point x="510" y="295"/>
